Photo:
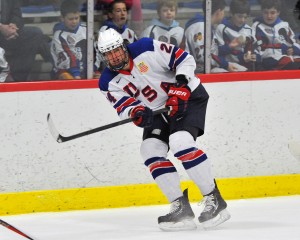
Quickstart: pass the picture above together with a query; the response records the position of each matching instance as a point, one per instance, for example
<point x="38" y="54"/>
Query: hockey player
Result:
<point x="68" y="47"/>
<point x="148" y="75"/>
<point x="165" y="28"/>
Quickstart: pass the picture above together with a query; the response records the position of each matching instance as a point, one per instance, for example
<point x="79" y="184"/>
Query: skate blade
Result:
<point x="185" y="225"/>
<point x="220" y="218"/>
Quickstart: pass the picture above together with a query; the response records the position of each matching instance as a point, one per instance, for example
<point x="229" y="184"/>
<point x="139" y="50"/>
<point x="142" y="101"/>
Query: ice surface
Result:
<point x="254" y="219"/>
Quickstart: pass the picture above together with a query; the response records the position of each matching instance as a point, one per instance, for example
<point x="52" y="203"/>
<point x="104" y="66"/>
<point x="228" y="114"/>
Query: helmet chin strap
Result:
<point x="117" y="67"/>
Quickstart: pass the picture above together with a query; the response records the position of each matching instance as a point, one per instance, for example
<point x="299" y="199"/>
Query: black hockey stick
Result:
<point x="59" y="138"/>
<point x="10" y="227"/>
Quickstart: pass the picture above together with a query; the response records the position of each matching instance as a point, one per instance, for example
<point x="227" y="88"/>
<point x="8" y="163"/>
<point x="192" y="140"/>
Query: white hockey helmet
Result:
<point x="108" y="40"/>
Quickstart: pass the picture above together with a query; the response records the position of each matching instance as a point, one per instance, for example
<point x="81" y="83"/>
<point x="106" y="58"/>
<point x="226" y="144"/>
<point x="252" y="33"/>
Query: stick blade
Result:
<point x="53" y="129"/>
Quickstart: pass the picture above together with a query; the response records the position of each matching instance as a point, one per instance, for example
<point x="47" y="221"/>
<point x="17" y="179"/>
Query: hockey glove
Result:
<point x="141" y="116"/>
<point x="178" y="96"/>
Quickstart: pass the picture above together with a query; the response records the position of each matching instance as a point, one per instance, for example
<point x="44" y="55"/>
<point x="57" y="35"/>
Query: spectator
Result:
<point x="279" y="49"/>
<point x="165" y="28"/>
<point x="5" y="75"/>
<point x="68" y="46"/>
<point x="117" y="19"/>
<point x="194" y="34"/>
<point x="233" y="48"/>
<point x="21" y="44"/>
<point x="287" y="14"/>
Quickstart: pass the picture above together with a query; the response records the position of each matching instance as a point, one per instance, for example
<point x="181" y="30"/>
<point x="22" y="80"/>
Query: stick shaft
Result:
<point x="59" y="138"/>
<point x="12" y="228"/>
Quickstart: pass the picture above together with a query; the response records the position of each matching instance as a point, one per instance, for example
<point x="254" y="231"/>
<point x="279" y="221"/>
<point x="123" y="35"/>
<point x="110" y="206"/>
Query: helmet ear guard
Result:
<point x="109" y="40"/>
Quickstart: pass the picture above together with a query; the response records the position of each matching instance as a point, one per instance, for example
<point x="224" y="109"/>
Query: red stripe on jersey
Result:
<point x="156" y="165"/>
<point x="266" y="46"/>
<point x="284" y="61"/>
<point x="127" y="103"/>
<point x="191" y="155"/>
<point x="178" y="53"/>
<point x="65" y="46"/>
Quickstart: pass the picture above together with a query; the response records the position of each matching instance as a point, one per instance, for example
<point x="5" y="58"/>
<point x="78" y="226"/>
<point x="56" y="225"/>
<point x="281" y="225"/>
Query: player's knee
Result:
<point x="153" y="147"/>
<point x="154" y="153"/>
<point x="184" y="149"/>
<point x="181" y="140"/>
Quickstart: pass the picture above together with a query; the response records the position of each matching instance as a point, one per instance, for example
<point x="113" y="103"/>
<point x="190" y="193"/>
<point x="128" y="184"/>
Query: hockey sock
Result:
<point x="198" y="168"/>
<point x="194" y="160"/>
<point x="154" y="153"/>
<point x="165" y="175"/>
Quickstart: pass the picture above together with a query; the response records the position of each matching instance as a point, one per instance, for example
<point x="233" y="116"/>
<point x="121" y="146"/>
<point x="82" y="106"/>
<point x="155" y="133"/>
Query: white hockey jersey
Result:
<point x="170" y="34"/>
<point x="226" y="33"/>
<point x="194" y="40"/>
<point x="275" y="40"/>
<point x="153" y="67"/>
<point x="4" y="68"/>
<point x="68" y="49"/>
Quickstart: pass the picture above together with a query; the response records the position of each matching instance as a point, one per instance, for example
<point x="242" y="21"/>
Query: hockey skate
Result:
<point x="180" y="217"/>
<point x="214" y="212"/>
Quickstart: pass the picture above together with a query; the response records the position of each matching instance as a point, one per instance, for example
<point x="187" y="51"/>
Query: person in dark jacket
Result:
<point x="21" y="44"/>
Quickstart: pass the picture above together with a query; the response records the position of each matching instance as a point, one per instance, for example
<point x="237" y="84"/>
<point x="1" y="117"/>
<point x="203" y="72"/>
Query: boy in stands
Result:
<point x="194" y="35"/>
<point x="117" y="20"/>
<point x="68" y="47"/>
<point x="233" y="46"/>
<point x="165" y="28"/>
<point x="279" y="49"/>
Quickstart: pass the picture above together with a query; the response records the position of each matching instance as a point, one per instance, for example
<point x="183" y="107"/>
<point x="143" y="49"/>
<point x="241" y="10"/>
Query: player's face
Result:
<point x="167" y="15"/>
<point x="270" y="15"/>
<point x="239" y="19"/>
<point x="71" y="20"/>
<point x="116" y="57"/>
<point x="119" y="14"/>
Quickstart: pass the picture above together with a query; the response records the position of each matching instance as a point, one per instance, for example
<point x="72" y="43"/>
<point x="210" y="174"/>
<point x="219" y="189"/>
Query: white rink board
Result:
<point x="248" y="128"/>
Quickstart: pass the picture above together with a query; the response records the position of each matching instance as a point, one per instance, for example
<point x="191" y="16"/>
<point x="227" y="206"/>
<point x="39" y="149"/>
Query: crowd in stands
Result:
<point x="240" y="41"/>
